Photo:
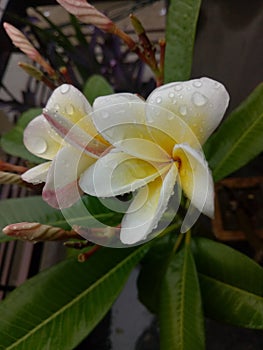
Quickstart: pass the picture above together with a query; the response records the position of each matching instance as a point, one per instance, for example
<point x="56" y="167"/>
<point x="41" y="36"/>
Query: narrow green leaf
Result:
<point x="152" y="270"/>
<point x="239" y="139"/>
<point x="60" y="306"/>
<point x="226" y="303"/>
<point x="12" y="141"/>
<point x="96" y="86"/>
<point x="219" y="261"/>
<point x="231" y="284"/>
<point x="181" y="318"/>
<point x="180" y="37"/>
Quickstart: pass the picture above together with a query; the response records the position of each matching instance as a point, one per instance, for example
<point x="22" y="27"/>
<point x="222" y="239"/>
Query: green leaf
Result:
<point x="152" y="270"/>
<point x="96" y="86"/>
<point x="180" y="37"/>
<point x="60" y="306"/>
<point x="231" y="284"/>
<point x="239" y="139"/>
<point x="180" y="313"/>
<point x="12" y="141"/>
<point x="226" y="303"/>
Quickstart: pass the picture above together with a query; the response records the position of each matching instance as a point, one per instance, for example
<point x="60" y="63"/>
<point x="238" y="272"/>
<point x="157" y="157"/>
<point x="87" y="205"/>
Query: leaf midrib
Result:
<point x="74" y="300"/>
<point x="236" y="144"/>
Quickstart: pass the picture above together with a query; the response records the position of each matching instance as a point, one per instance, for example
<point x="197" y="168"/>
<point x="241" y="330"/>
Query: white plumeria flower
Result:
<point x="157" y="143"/>
<point x="65" y="135"/>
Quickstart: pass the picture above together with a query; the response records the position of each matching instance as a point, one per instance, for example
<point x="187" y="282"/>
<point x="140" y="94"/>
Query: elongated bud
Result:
<point x="31" y="70"/>
<point x="37" y="74"/>
<point x="21" y="42"/>
<point x="36" y="232"/>
<point x="87" y="13"/>
<point x="10" y="179"/>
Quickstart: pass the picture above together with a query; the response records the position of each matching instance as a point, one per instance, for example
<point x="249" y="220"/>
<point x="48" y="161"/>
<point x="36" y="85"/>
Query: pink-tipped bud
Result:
<point x="87" y="13"/>
<point x="36" y="232"/>
<point x="21" y="42"/>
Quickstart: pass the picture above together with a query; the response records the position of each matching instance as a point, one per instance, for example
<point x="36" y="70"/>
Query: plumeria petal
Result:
<point x="147" y="208"/>
<point x="40" y="139"/>
<point x="201" y="103"/>
<point x="61" y="189"/>
<point x="195" y="177"/>
<point x="168" y="129"/>
<point x="70" y="103"/>
<point x="38" y="174"/>
<point x="120" y="118"/>
<point x="118" y="173"/>
<point x="74" y="134"/>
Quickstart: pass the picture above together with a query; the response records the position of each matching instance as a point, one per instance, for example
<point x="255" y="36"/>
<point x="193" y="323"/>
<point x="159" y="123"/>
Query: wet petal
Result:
<point x="195" y="177"/>
<point x="61" y="189"/>
<point x="120" y="117"/>
<point x="40" y="139"/>
<point x="70" y="103"/>
<point x="201" y="103"/>
<point x="74" y="134"/>
<point x="37" y="174"/>
<point x="147" y="208"/>
<point x="117" y="173"/>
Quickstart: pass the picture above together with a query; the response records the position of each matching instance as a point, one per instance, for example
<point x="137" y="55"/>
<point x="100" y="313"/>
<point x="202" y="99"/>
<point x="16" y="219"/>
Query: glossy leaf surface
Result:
<point x="96" y="86"/>
<point x="231" y="284"/>
<point x="60" y="306"/>
<point x="180" y="37"/>
<point x="12" y="141"/>
<point x="180" y="313"/>
<point x="239" y="139"/>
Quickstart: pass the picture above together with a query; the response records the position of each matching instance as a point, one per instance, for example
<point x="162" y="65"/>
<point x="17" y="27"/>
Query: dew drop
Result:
<point x="178" y="87"/>
<point x="199" y="99"/>
<point x="197" y="83"/>
<point x="57" y="107"/>
<point x="64" y="88"/>
<point x="158" y="99"/>
<point x="183" y="110"/>
<point x="216" y="85"/>
<point x="105" y="114"/>
<point x="38" y="145"/>
<point x="69" y="109"/>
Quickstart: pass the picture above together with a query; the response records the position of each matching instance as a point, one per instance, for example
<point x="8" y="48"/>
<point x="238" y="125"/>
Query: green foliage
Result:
<point x="239" y="139"/>
<point x="180" y="35"/>
<point x="231" y="284"/>
<point x="31" y="209"/>
<point x="12" y="141"/>
<point x="180" y="312"/>
<point x="96" y="86"/>
<point x="60" y="306"/>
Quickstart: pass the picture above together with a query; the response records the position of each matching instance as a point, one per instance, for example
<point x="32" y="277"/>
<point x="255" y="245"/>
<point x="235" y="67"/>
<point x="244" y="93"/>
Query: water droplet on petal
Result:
<point x="171" y="95"/>
<point x="64" y="88"/>
<point x="37" y="145"/>
<point x="158" y="99"/>
<point x="216" y="85"/>
<point x="57" y="107"/>
<point x="183" y="110"/>
<point x="69" y="109"/>
<point x="199" y="99"/>
<point x="178" y="87"/>
<point x="170" y="117"/>
<point x="105" y="114"/>
<point x="197" y="83"/>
